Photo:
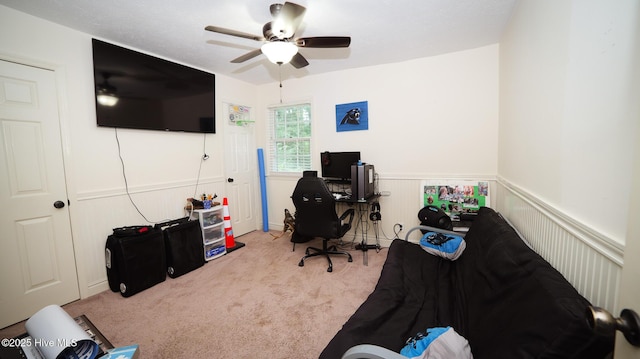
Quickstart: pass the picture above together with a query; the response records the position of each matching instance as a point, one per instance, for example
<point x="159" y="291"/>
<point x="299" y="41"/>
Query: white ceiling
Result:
<point x="382" y="31"/>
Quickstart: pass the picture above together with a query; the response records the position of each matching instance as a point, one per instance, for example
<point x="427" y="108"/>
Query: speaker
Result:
<point x="434" y="217"/>
<point x="375" y="214"/>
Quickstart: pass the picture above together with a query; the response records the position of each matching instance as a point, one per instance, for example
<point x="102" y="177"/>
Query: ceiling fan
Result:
<point x="279" y="44"/>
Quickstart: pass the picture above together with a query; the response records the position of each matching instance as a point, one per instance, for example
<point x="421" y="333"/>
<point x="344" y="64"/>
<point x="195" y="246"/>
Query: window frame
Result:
<point x="273" y="141"/>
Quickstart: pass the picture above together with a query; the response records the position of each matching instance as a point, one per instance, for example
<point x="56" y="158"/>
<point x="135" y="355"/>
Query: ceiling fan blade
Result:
<point x="289" y="19"/>
<point x="222" y="30"/>
<point x="298" y="61"/>
<point x="247" y="56"/>
<point x="324" y="41"/>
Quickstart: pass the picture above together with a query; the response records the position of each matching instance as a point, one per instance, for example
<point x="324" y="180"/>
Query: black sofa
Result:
<point x="505" y="299"/>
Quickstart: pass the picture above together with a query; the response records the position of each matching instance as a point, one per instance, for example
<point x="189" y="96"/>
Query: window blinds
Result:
<point x="290" y="138"/>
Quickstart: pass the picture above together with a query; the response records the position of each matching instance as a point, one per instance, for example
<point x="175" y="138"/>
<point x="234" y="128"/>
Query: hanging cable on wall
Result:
<point x="204" y="157"/>
<point x="124" y="175"/>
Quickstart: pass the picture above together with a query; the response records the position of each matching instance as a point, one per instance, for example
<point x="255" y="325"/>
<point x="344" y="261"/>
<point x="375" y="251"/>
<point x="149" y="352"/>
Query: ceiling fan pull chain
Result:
<point x="280" y="75"/>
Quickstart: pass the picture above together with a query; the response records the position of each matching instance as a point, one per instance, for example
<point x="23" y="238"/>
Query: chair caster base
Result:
<point x="325" y="251"/>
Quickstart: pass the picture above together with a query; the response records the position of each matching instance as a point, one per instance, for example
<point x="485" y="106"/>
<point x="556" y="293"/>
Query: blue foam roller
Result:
<point x="263" y="191"/>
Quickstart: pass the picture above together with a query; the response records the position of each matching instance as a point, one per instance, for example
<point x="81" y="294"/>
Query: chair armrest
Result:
<point x="432" y="229"/>
<point x="370" y="351"/>
<point x="349" y="212"/>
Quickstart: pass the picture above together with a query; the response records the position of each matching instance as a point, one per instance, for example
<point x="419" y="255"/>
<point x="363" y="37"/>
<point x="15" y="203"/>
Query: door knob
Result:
<point x="230" y="180"/>
<point x="58" y="204"/>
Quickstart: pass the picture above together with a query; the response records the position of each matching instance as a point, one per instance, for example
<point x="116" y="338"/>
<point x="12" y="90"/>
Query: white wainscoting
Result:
<point x="590" y="261"/>
<point x="95" y="214"/>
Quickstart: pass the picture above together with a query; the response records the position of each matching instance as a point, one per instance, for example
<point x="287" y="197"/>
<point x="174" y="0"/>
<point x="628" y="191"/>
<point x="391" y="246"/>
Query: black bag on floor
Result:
<point x="135" y="259"/>
<point x="183" y="244"/>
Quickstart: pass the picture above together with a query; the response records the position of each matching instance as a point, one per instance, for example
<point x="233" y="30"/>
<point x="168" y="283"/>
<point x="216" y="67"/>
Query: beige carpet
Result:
<point x="252" y="303"/>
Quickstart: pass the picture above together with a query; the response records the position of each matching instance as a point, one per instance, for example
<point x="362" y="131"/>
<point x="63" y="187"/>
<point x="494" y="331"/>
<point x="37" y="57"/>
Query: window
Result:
<point x="290" y="139"/>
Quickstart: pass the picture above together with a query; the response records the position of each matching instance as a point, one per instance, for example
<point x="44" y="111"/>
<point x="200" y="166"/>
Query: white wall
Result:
<point x="161" y="167"/>
<point x="422" y="113"/>
<point x="428" y="118"/>
<point x="567" y="113"/>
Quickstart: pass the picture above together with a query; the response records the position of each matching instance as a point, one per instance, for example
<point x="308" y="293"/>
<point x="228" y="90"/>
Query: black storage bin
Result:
<point x="184" y="247"/>
<point x="135" y="259"/>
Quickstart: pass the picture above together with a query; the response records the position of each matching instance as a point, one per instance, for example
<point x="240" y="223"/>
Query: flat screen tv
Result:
<point x="337" y="165"/>
<point x="136" y="90"/>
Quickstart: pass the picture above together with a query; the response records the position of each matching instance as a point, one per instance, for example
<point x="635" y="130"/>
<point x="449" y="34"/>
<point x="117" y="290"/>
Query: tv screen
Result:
<point x="337" y="165"/>
<point x="136" y="90"/>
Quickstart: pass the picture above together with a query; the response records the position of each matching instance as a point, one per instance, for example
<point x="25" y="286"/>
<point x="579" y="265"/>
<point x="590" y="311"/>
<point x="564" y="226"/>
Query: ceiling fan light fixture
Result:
<point x="278" y="41"/>
<point x="279" y="52"/>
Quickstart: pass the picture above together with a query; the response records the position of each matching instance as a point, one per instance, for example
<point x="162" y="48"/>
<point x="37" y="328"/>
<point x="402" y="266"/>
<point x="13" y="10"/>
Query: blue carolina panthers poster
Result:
<point x="352" y="116"/>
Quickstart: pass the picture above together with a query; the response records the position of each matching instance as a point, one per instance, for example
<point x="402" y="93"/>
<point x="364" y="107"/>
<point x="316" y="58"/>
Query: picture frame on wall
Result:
<point x="352" y="116"/>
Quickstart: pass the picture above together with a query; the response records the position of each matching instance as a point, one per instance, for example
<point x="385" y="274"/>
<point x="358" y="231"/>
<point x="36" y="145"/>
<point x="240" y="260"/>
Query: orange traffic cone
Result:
<point x="230" y="242"/>
<point x="228" y="231"/>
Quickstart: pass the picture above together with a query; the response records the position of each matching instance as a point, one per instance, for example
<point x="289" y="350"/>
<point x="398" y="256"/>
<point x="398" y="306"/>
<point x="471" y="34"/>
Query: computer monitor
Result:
<point x="337" y="165"/>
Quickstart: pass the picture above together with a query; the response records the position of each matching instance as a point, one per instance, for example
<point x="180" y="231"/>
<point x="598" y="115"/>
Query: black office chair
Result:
<point x="316" y="216"/>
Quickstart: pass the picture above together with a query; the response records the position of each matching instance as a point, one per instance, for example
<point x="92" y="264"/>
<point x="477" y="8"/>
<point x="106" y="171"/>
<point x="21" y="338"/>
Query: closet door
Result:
<point x="37" y="262"/>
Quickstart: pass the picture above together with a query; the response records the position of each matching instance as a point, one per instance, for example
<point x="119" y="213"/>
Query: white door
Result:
<point x="37" y="263"/>
<point x="241" y="169"/>
<point x="630" y="284"/>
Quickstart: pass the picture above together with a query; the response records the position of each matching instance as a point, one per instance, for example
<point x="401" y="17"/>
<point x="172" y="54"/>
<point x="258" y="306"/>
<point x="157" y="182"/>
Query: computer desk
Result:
<point x="362" y="209"/>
